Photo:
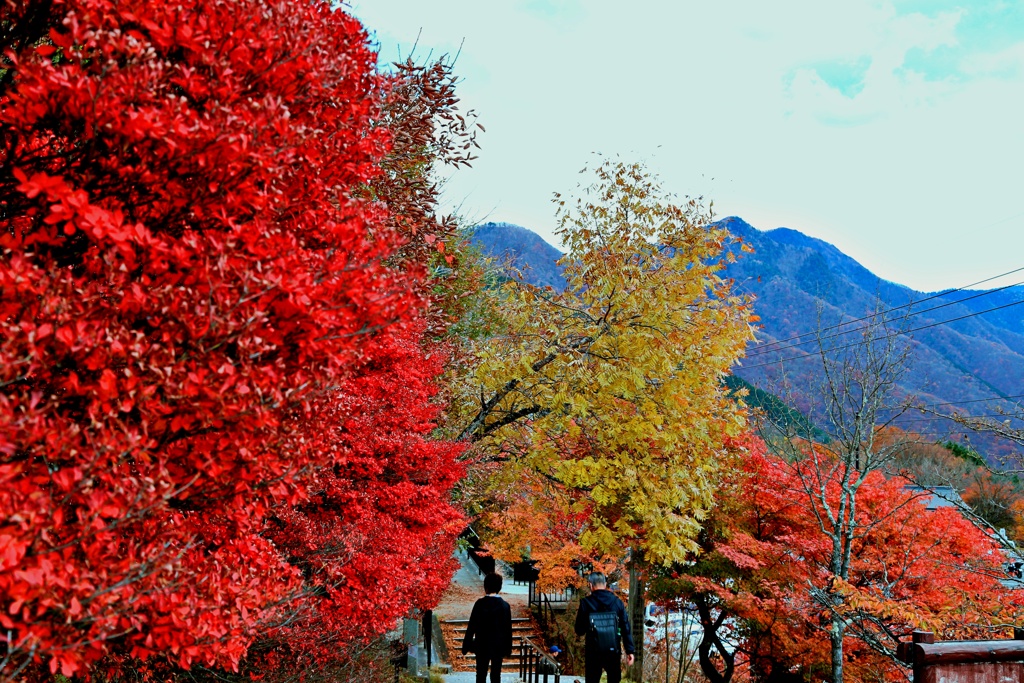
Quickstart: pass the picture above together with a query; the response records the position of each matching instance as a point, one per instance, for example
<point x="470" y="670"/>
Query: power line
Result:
<point x="907" y="305"/>
<point x="962" y="317"/>
<point x="932" y="418"/>
<point x="888" y="336"/>
<point x="974" y="400"/>
<point x="760" y="351"/>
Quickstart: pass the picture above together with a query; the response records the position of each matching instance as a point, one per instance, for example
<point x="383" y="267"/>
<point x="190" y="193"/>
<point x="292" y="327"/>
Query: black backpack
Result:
<point x="604" y="631"/>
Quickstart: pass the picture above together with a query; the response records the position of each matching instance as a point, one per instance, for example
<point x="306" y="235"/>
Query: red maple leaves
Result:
<point x="216" y="398"/>
<point x="764" y="569"/>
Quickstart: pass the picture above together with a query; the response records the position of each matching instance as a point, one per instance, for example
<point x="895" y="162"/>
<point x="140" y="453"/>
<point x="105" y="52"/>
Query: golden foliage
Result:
<point x="612" y="389"/>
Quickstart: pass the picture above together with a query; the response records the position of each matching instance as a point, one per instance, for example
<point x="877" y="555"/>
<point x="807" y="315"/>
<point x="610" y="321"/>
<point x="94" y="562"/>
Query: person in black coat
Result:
<point x="489" y="633"/>
<point x="603" y="600"/>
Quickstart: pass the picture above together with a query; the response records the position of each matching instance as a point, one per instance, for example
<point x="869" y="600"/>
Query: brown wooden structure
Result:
<point x="965" y="661"/>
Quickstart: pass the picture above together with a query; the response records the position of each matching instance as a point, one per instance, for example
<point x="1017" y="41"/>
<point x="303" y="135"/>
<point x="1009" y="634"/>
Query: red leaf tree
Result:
<point x="216" y="393"/>
<point x="764" y="552"/>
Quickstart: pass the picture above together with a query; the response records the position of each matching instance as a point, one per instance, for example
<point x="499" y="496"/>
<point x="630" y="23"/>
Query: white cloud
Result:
<point x="905" y="170"/>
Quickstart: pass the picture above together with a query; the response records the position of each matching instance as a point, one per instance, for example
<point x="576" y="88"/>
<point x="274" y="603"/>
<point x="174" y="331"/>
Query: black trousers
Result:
<point x="482" y="660"/>
<point x="604" y="661"/>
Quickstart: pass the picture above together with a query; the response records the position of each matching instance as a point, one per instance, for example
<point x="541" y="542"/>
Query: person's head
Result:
<point x="597" y="581"/>
<point x="492" y="583"/>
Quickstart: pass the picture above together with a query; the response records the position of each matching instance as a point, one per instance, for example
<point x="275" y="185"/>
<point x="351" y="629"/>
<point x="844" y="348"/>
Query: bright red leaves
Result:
<point x="216" y="400"/>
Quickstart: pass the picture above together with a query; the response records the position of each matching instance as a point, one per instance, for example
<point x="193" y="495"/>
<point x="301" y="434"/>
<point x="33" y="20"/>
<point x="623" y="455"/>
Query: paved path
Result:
<point x="470" y="677"/>
<point x="467" y="586"/>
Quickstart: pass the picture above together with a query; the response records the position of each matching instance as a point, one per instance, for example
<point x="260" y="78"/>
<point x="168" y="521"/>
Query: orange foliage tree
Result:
<point x="911" y="568"/>
<point x="549" y="536"/>
<point x="997" y="501"/>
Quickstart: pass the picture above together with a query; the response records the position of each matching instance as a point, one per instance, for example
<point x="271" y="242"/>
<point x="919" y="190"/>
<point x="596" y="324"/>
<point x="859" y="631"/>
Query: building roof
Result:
<point x="937" y="496"/>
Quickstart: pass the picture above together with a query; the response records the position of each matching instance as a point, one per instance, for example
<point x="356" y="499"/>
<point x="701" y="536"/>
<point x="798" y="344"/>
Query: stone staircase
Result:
<point x="521" y="627"/>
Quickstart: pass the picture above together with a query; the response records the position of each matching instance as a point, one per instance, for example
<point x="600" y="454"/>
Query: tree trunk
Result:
<point x="637" y="607"/>
<point x="709" y="639"/>
<point x="836" y="637"/>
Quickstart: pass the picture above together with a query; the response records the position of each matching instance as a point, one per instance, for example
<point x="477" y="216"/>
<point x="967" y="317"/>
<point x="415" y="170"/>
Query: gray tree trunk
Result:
<point x="636" y="608"/>
<point x="836" y="637"/>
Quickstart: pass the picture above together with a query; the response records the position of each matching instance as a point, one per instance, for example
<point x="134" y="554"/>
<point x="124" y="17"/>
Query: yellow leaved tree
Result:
<point x="611" y="391"/>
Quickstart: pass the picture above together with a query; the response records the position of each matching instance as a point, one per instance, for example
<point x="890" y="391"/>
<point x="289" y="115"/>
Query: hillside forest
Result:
<point x="254" y="385"/>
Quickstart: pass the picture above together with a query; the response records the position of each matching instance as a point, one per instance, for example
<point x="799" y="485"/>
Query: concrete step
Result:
<point x="515" y="620"/>
<point x="506" y="664"/>
<point x="515" y="628"/>
<point x="516" y="635"/>
<point x="516" y="641"/>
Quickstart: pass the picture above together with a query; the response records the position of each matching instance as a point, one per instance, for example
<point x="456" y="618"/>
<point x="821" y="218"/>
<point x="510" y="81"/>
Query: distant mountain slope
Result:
<point x="977" y="356"/>
<point x="524" y="250"/>
<point x="793" y="275"/>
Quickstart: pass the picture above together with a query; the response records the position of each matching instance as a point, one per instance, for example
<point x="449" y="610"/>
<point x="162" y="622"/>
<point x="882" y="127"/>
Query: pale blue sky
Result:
<point x="893" y="129"/>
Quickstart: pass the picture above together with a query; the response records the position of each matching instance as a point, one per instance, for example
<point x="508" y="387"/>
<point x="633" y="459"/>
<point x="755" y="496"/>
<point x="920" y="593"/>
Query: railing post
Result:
<point x="531" y="661"/>
<point x="926" y="637"/>
<point x="428" y="632"/>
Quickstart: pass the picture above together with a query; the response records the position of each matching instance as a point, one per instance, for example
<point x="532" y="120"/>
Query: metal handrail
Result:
<point x="545" y="610"/>
<point x="535" y="596"/>
<point x="535" y="665"/>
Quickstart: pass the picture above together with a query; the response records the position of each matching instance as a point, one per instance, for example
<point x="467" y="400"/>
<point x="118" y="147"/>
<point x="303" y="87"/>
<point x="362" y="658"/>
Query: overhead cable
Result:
<point x="883" y="337"/>
<point x="762" y="350"/>
<point x="908" y="305"/>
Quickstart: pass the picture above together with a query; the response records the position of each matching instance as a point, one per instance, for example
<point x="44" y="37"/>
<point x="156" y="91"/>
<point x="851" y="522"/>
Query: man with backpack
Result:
<point x="602" y="619"/>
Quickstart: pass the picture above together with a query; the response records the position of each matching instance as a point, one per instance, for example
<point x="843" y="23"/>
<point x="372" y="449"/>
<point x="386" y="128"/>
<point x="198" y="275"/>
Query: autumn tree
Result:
<point x="996" y="501"/>
<point x="613" y="388"/>
<point x="989" y="495"/>
<point x="217" y="376"/>
<point x="747" y="581"/>
<point x="1005" y="424"/>
<point x="927" y="463"/>
<point x="542" y="523"/>
<point x="856" y="400"/>
<point x="375" y="539"/>
<point x="763" y="546"/>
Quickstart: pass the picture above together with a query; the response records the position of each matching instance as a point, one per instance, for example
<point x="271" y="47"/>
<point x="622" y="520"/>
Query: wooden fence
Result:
<point x="964" y="661"/>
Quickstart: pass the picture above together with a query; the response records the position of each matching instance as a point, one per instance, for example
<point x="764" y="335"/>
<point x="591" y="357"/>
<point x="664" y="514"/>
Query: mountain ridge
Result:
<point x="959" y="354"/>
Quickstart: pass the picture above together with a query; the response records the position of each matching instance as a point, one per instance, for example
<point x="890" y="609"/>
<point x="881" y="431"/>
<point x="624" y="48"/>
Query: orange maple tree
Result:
<point x="913" y="568"/>
<point x="542" y="522"/>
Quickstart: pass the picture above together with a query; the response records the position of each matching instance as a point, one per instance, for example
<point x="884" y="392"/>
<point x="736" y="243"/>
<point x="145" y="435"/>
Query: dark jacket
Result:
<point x="490" y="628"/>
<point x="604" y="601"/>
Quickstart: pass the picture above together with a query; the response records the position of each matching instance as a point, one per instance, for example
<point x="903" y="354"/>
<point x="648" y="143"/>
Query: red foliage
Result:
<point x="216" y="399"/>
<point x="376" y="538"/>
<point x="765" y="552"/>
